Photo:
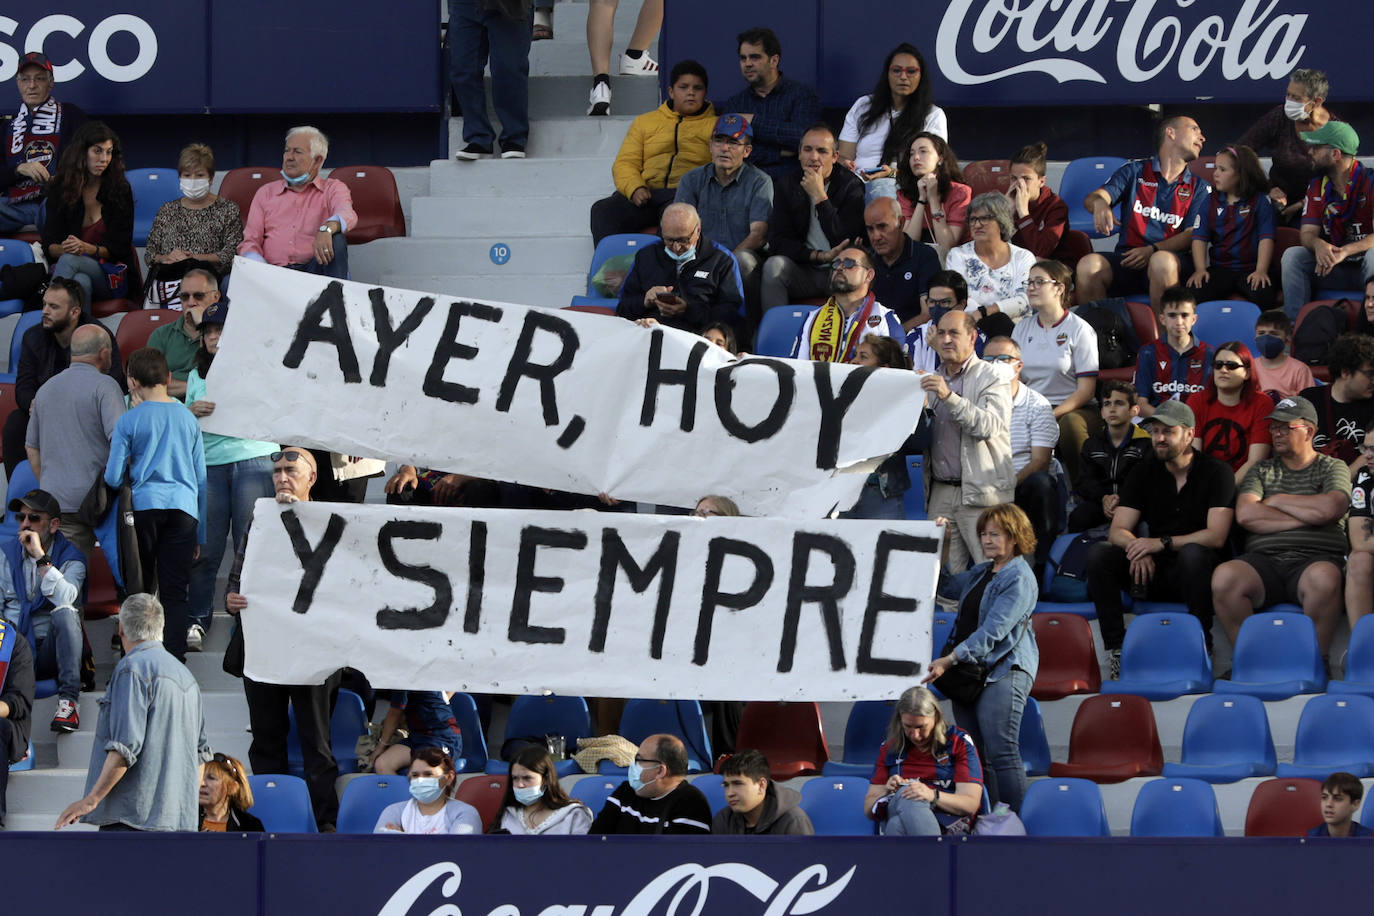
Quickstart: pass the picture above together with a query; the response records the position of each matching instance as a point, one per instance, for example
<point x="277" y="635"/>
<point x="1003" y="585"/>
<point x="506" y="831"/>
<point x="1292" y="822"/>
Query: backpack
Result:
<point x="1070" y="582"/>
<point x="1117" y="343"/>
<point x="1320" y="327"/>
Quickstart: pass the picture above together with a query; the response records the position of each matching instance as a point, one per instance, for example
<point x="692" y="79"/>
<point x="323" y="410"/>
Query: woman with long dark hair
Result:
<point x="900" y="105"/>
<point x="89" y="231"/>
<point x="1232" y="412"/>
<point x="535" y="803"/>
<point x="931" y="191"/>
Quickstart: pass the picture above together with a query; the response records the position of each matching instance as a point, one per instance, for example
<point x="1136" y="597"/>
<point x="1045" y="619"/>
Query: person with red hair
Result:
<point x="1232" y="411"/>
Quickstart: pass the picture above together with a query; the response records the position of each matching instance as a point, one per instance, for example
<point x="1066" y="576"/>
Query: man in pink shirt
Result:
<point x="299" y="222"/>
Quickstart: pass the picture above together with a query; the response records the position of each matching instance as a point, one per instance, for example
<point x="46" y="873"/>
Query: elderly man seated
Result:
<point x="299" y="222"/>
<point x="687" y="282"/>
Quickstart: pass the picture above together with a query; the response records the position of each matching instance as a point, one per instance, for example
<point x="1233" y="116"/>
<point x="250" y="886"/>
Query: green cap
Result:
<point x="1334" y="133"/>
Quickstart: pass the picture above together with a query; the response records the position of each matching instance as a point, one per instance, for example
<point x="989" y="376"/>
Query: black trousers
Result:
<point x="166" y="550"/>
<point x="12" y="440"/>
<point x="267" y="715"/>
<point x="1038" y="497"/>
<point x="6" y="729"/>
<point x="616" y="214"/>
<point x="1184" y="575"/>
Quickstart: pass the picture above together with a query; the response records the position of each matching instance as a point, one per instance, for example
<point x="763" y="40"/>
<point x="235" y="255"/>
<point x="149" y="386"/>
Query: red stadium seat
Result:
<point x="102" y="599"/>
<point x="1073" y="247"/>
<point x="1113" y="739"/>
<point x="376" y="201"/>
<point x="1284" y="807"/>
<point x="9" y="401"/>
<point x="1203" y="167"/>
<point x="239" y="185"/>
<point x="484" y="792"/>
<point x="1285" y="237"/>
<point x="988" y="175"/>
<point x="1068" y="660"/>
<point x="788" y="734"/>
<point x="136" y="327"/>
<point x="1144" y="321"/>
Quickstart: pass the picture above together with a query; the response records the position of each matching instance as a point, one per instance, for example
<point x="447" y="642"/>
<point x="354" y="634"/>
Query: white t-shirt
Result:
<point x="870" y="145"/>
<point x="1032" y="424"/>
<point x="1053" y="359"/>
<point x="1004" y="287"/>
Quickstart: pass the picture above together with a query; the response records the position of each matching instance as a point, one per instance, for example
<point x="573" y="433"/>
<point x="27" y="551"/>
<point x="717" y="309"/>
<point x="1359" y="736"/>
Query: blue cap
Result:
<point x="733" y="126"/>
<point x="217" y="313"/>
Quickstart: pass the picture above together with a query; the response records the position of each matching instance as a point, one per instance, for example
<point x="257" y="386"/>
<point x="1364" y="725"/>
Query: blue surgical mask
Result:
<point x="425" y="788"/>
<point x="528" y="796"/>
<point x="295" y="182"/>
<point x="1269" y="345"/>
<point x="684" y="257"/>
<point x="636" y="775"/>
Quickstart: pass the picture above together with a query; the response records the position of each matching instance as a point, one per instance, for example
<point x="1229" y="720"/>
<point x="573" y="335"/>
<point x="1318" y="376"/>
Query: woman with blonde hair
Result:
<point x="225" y="798"/>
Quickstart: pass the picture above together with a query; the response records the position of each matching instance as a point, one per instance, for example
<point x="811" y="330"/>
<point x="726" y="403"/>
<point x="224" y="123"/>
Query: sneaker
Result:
<point x="65" y="719"/>
<point x="512" y="151"/>
<point x="472" y="152"/>
<point x="195" y="638"/>
<point x="643" y="65"/>
<point x="599" y="102"/>
<point x="1114" y="665"/>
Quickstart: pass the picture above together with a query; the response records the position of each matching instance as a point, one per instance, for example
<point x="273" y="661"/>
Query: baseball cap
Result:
<point x="38" y="501"/>
<point x="1294" y="408"/>
<point x="217" y="313"/>
<point x="1172" y="413"/>
<point x="733" y="126"/>
<point x="35" y="59"/>
<point x="1334" y="133"/>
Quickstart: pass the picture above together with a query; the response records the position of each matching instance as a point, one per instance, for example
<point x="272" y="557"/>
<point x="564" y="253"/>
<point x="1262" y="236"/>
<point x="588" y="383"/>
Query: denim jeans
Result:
<point x="14" y="217"/>
<point x="230" y="491"/>
<point x="1300" y="276"/>
<point x="909" y="817"/>
<point x="166" y="547"/>
<point x="336" y="268"/>
<point x="58" y="652"/>
<point x="995" y="724"/>
<point x="88" y="273"/>
<point x="478" y="37"/>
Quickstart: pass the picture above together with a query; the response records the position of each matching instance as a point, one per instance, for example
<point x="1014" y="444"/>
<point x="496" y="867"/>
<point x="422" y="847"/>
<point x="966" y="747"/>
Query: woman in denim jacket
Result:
<point x="996" y="600"/>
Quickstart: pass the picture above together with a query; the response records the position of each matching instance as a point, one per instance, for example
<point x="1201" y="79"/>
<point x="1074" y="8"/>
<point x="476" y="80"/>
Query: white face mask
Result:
<point x="195" y="188"/>
<point x="1296" y="111"/>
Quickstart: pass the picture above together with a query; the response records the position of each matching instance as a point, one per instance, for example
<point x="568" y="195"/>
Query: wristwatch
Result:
<point x="44" y="560"/>
<point x="1167" y="541"/>
<point x="325" y="228"/>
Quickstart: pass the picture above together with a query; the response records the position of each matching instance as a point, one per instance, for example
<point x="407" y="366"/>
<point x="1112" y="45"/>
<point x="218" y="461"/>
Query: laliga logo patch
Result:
<point x="1184" y="192"/>
<point x="874" y="321"/>
<point x="1062" y="339"/>
<point x="1357" y="498"/>
<point x="1195" y="364"/>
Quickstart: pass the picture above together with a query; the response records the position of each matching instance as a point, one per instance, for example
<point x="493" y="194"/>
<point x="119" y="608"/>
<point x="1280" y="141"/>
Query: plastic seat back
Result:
<point x="1064" y="807"/>
<point x="593" y="306"/>
<point x="1225" y="739"/>
<point x="102" y="595"/>
<point x="541" y="715"/>
<point x="152" y="188"/>
<point x="1035" y="744"/>
<point x="484" y="792"/>
<point x="1335" y="733"/>
<point x="1276" y="657"/>
<point x="622" y="243"/>
<point x="790" y="735"/>
<point x="347" y="723"/>
<point x="1164" y="656"/>
<point x="1176" y="807"/>
<point x="1081" y="178"/>
<point x="136" y="327"/>
<point x="1359" y="661"/>
<point x="20" y="482"/>
<point x="712" y="785"/>
<point x="1114" y="738"/>
<point x="21" y="327"/>
<point x="282" y="803"/>
<point x="835" y="805"/>
<point x="593" y="791"/>
<point x="988" y="175"/>
<point x="239" y="185"/>
<point x="1068" y="660"/>
<point x="682" y="718"/>
<point x="464" y="710"/>
<point x="376" y="201"/>
<point x="864" y="733"/>
<point x="1204" y="167"/>
<point x="364" y="799"/>
<point x="14" y="252"/>
<point x="1284" y="807"/>
<point x="9" y="399"/>
<point x="778" y="329"/>
<point x="1225" y="320"/>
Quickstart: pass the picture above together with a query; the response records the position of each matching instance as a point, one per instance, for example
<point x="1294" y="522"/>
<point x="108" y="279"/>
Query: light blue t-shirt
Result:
<point x="158" y="443"/>
<point x="224" y="449"/>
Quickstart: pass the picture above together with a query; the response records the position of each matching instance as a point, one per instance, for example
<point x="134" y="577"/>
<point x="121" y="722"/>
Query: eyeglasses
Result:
<point x="980" y="220"/>
<point x="940" y="303"/>
<point x="642" y="761"/>
<point x="1367" y="449"/>
<point x="844" y="264"/>
<point x="1037" y="282"/>
<point x="1284" y="429"/>
<point x="1000" y="358"/>
<point x="1228" y="365"/>
<point x="677" y="240"/>
<point x="199" y="297"/>
<point x="29" y="517"/>
<point x="904" y="71"/>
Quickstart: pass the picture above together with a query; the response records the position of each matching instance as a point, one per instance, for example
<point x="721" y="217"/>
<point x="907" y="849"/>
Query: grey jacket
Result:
<point x="983" y="413"/>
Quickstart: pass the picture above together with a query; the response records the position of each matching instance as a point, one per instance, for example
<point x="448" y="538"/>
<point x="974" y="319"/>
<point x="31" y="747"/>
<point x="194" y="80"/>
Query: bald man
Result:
<point x="687" y="282"/>
<point x="70" y="424"/>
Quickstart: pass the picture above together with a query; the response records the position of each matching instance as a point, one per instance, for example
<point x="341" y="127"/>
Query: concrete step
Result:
<point x="223" y="708"/>
<point x="542" y="291"/>
<point x="527" y="217"/>
<point x="74" y="750"/>
<point x="517" y="177"/>
<point x="45" y="790"/>
<point x="528" y="257"/>
<point x="566" y="134"/>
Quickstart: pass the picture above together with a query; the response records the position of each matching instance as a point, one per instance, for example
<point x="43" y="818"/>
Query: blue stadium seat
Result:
<point x="1035" y="744"/>
<point x="282" y="803"/>
<point x="348" y="722"/>
<point x="1164" y="657"/>
<point x="594" y="305"/>
<point x="20" y="482"/>
<point x="1227" y="319"/>
<point x="21" y="327"/>
<point x="1226" y="739"/>
<point x="914" y="500"/>
<point x="1366" y="816"/>
<point x="1359" y="661"/>
<point x="1081" y="608"/>
<point x="835" y="805"/>
<point x="152" y="188"/>
<point x="1081" y="178"/>
<point x="778" y="329"/>
<point x="1064" y="807"/>
<point x="474" y="758"/>
<point x="612" y="245"/>
<point x="1335" y="733"/>
<point x="365" y="797"/>
<point x="541" y="715"/>
<point x="45" y="688"/>
<point x="1176" y="807"/>
<point x="1276" y="657"/>
<point x="712" y="785"/>
<point x="593" y="791"/>
<point x="864" y="733"/>
<point x="24" y="764"/>
<point x="683" y="718"/>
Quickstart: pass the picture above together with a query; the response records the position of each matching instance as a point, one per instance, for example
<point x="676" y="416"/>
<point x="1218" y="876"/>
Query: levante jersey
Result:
<point x="1153" y="209"/>
<point x="1163" y="374"/>
<point x="1342" y="218"/>
<point x="1234" y="229"/>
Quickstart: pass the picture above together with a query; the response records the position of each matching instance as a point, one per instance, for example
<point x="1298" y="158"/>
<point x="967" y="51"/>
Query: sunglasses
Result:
<point x="1229" y="365"/>
<point x="228" y="763"/>
<point x="199" y="297"/>
<point x="29" y="517"/>
<point x="292" y="456"/>
<point x="844" y="264"/>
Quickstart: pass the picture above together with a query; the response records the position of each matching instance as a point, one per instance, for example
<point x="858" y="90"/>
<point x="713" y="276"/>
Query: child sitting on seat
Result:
<point x="1341" y="794"/>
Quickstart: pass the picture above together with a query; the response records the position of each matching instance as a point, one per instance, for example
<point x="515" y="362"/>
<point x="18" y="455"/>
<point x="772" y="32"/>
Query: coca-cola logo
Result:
<point x="684" y="890"/>
<point x="1253" y="42"/>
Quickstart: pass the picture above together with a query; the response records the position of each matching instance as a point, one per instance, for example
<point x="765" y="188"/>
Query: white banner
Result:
<point x="590" y="603"/>
<point x="557" y="399"/>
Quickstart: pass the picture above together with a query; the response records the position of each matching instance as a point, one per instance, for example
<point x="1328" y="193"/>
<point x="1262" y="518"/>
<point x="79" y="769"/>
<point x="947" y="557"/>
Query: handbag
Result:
<point x="116" y="276"/>
<point x="965" y="682"/>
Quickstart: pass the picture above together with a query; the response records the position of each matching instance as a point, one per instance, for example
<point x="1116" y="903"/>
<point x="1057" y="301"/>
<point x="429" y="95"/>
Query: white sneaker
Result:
<point x="643" y="65"/>
<point x="195" y="638"/>
<point x="599" y="103"/>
